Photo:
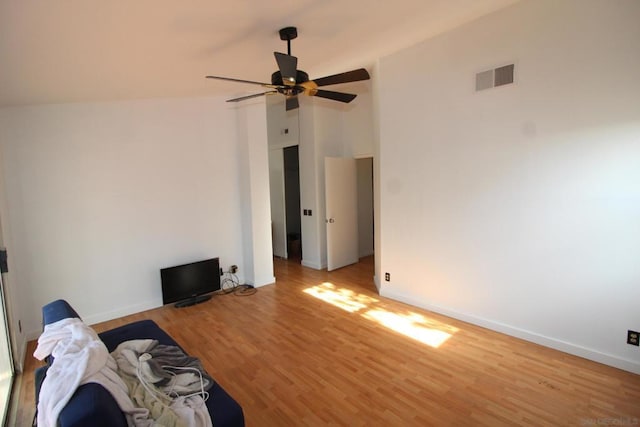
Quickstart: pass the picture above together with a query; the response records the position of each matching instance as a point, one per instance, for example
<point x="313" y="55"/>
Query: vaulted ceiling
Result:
<point x="96" y="50"/>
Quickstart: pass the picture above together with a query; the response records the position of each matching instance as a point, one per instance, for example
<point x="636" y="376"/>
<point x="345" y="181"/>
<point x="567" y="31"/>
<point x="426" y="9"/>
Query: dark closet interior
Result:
<point x="292" y="202"/>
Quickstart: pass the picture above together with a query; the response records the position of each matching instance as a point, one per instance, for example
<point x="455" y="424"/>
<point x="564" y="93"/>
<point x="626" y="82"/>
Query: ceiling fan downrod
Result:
<point x="288" y="34"/>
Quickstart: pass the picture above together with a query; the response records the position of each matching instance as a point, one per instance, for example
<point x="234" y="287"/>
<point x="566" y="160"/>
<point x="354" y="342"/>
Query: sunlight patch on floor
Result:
<point x="345" y="299"/>
<point x="413" y="325"/>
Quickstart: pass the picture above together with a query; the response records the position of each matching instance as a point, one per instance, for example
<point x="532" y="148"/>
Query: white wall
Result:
<point x="101" y="196"/>
<point x="359" y="129"/>
<point x="254" y="188"/>
<point x="308" y="190"/>
<point x="282" y="125"/>
<point x="321" y="135"/>
<point x="358" y="123"/>
<point x="518" y="208"/>
<point x="277" y="199"/>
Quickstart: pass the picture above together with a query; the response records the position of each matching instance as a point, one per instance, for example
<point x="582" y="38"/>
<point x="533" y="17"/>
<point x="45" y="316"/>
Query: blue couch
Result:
<point x="92" y="405"/>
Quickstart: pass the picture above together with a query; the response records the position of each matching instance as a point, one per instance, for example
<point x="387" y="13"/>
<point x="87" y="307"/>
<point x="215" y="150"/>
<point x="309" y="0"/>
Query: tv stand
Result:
<point x="192" y="301"/>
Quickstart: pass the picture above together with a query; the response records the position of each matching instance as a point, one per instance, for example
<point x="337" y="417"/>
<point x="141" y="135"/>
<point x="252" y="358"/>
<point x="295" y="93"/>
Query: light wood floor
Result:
<point x="291" y="358"/>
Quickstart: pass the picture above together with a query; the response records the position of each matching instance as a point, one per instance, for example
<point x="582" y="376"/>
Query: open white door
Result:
<point x="341" y="196"/>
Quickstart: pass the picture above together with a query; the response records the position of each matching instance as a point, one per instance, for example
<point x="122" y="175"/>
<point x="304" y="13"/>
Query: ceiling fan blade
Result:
<point x="243" y="81"/>
<point x="336" y="96"/>
<point x="288" y="68"/>
<point x="349" y="76"/>
<point x="292" y="103"/>
<point x="242" y="98"/>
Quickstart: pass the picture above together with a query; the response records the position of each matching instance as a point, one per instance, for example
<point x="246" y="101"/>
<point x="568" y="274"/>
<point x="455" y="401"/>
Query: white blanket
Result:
<point x="79" y="357"/>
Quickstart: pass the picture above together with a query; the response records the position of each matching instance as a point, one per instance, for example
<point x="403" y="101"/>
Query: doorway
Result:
<point x="284" y="186"/>
<point x="366" y="219"/>
<point x="292" y="202"/>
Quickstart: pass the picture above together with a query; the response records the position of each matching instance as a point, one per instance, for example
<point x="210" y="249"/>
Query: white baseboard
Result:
<point x="22" y="350"/>
<point x="567" y="347"/>
<point x="313" y="264"/>
<point x="30" y="336"/>
<point x="264" y="282"/>
<point x="120" y="312"/>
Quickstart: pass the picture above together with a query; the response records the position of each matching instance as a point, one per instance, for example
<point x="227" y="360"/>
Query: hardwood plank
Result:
<point x="290" y="358"/>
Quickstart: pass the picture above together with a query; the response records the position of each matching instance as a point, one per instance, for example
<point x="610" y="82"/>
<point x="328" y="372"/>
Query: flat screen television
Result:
<point x="188" y="284"/>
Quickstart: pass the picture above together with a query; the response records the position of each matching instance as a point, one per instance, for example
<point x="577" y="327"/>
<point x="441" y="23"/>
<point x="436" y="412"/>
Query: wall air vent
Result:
<point x="496" y="77"/>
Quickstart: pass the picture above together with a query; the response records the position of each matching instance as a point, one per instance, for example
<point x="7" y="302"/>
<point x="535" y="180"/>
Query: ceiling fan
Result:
<point x="289" y="81"/>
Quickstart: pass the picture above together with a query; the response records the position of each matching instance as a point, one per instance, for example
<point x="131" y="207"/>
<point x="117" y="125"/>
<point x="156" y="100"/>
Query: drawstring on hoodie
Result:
<point x="143" y="360"/>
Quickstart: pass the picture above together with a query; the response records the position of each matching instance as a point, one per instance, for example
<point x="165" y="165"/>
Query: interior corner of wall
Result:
<point x="376" y="282"/>
<point x="264" y="281"/>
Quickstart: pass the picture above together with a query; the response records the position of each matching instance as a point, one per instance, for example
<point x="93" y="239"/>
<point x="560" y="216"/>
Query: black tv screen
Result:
<point x="187" y="284"/>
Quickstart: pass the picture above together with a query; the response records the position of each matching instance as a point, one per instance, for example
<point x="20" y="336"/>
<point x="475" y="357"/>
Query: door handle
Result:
<point x="330" y="221"/>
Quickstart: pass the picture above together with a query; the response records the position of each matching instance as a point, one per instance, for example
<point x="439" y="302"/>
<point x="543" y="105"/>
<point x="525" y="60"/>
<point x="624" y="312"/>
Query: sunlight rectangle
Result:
<point x="412" y="325"/>
<point x="345" y="299"/>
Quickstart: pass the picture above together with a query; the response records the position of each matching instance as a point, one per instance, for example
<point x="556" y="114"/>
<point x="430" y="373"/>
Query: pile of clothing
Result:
<point x="153" y="384"/>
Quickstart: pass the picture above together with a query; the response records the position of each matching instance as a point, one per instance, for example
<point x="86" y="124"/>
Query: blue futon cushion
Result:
<point x="92" y="405"/>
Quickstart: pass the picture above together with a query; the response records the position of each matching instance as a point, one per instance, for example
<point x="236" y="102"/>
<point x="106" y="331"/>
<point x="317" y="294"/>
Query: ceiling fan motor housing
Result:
<point x="301" y="77"/>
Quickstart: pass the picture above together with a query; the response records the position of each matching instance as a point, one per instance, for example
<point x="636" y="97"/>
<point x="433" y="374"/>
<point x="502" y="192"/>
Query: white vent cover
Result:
<point x="496" y="77"/>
